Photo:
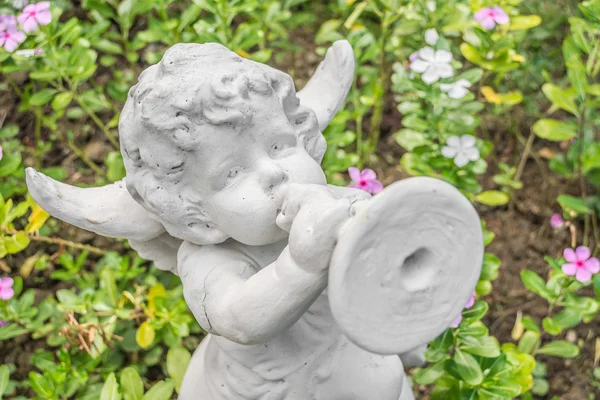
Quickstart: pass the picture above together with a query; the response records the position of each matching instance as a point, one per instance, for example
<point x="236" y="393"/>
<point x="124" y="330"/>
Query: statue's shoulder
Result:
<point x="195" y="256"/>
<point x="229" y="252"/>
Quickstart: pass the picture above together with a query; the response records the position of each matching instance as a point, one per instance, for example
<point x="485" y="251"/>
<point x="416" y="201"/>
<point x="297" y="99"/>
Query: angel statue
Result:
<point x="307" y="291"/>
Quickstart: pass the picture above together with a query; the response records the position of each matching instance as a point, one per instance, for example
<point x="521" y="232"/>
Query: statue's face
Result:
<point x="240" y="175"/>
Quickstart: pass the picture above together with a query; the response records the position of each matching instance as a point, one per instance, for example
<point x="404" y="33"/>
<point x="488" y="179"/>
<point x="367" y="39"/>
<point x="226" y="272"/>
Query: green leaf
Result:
<point x="9" y="131"/>
<point x="476" y="312"/>
<point x="41" y="385"/>
<point x="427" y="376"/>
<point x="590" y="158"/>
<point x="554" y="130"/>
<point x="412" y="164"/>
<point x="575" y="68"/>
<point x="473" y="75"/>
<point x="11" y="331"/>
<point x="109" y="285"/>
<point x="489" y="269"/>
<point x="501" y="389"/>
<point x="529" y="342"/>
<point x="521" y="22"/>
<point x="9" y="163"/>
<point x="560" y="98"/>
<point x="486" y="346"/>
<point x="110" y="390"/>
<point x="567" y="318"/>
<point x="116" y="167"/>
<point x="560" y="348"/>
<point x="570" y="203"/>
<point x="4" y="379"/>
<point x="409" y="139"/>
<point x="189" y="16"/>
<point x="536" y="284"/>
<point x="16" y="243"/>
<point x="540" y="387"/>
<point x="62" y="100"/>
<point x="162" y="390"/>
<point x="144" y="335"/>
<point x="131" y="384"/>
<point x="468" y="368"/>
<point x="358" y="10"/>
<point x="492" y="198"/>
<point x="107" y="46"/>
<point x="42" y="97"/>
<point x="471" y="54"/>
<point x="551" y="326"/>
<point x="67" y="297"/>
<point x="412" y="121"/>
<point x="178" y="359"/>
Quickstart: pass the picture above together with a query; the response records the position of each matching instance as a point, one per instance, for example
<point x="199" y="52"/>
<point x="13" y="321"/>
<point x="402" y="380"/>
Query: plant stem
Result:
<point x="525" y="155"/>
<point x="596" y="233"/>
<point x="537" y="159"/>
<point x="38" y="136"/>
<point x="109" y="135"/>
<point x="14" y="86"/>
<point x="79" y="153"/>
<point x="582" y="183"/>
<point x="63" y="242"/>
<point x="381" y="88"/>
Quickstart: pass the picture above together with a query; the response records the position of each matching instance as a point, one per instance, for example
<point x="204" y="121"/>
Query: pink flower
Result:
<point x="0" y="152"/>
<point x="490" y="16"/>
<point x="6" y="21"/>
<point x="35" y="14"/>
<point x="365" y="180"/>
<point x="6" y="290"/>
<point x="469" y="304"/>
<point x="11" y="38"/>
<point x="556" y="221"/>
<point x="580" y="264"/>
<point x="3" y="323"/>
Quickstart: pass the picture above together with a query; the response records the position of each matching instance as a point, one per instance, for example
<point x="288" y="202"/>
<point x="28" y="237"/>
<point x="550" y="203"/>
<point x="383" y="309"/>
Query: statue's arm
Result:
<point x="230" y="298"/>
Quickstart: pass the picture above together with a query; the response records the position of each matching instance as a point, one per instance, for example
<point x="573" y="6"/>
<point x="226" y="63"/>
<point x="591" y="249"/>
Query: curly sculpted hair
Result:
<point x="194" y="87"/>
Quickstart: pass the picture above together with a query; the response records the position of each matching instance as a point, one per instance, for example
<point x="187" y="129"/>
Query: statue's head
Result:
<point x="208" y="139"/>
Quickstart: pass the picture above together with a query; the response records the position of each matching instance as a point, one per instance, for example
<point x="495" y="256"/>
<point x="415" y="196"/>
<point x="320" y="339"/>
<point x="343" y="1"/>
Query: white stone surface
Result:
<point x="224" y="187"/>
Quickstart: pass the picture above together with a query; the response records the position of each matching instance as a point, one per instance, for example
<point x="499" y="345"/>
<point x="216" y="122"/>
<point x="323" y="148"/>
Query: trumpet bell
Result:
<point x="405" y="265"/>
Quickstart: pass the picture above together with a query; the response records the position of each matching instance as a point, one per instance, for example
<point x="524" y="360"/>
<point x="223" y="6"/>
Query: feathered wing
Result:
<point x="326" y="90"/>
<point x="108" y="211"/>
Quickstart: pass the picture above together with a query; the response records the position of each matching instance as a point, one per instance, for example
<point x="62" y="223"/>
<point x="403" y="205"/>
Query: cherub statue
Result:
<point x="306" y="290"/>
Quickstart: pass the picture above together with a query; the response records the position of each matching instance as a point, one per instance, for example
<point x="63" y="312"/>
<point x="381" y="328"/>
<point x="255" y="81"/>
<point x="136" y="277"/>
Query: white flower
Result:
<point x="456" y="90"/>
<point x="433" y="64"/>
<point x="431" y="6"/>
<point x="461" y="149"/>
<point x="431" y="37"/>
<point x="25" y="53"/>
<point x="19" y="4"/>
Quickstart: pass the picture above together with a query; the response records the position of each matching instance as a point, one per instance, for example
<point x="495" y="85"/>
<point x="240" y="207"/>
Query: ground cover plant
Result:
<point x="499" y="98"/>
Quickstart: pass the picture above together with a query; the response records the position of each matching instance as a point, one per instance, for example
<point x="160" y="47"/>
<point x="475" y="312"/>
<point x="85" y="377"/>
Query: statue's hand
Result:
<point x="312" y="214"/>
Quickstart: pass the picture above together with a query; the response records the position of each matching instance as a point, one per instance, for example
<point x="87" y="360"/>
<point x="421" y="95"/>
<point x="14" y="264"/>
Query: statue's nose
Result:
<point x="272" y="176"/>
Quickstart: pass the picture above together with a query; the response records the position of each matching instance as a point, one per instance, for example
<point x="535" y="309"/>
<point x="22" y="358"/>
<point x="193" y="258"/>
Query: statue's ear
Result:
<point x="183" y="216"/>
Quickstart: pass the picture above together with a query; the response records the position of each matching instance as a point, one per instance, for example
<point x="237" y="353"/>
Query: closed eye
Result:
<point x="281" y="147"/>
<point x="233" y="174"/>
